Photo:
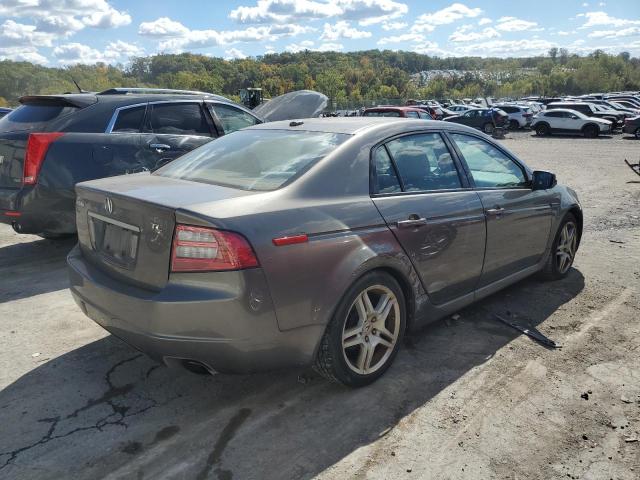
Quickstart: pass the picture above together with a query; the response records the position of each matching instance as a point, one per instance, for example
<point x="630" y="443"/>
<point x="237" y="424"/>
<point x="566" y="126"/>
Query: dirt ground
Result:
<point x="466" y="399"/>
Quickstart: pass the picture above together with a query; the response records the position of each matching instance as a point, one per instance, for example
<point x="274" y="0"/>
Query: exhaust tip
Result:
<point x="197" y="367"/>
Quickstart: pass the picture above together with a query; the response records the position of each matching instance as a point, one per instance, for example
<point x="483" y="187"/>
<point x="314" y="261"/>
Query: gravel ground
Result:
<point x="466" y="399"/>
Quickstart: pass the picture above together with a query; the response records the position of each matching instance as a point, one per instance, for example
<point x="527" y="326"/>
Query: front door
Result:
<point x="518" y="218"/>
<point x="439" y="223"/>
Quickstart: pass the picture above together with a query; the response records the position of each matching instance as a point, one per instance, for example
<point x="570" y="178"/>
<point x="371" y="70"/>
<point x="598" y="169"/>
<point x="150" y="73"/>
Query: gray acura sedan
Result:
<point x="314" y="242"/>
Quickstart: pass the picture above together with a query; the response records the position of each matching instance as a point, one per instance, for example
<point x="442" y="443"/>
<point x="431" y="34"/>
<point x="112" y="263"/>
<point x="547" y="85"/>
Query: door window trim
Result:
<point x="522" y="167"/>
<point x="462" y="174"/>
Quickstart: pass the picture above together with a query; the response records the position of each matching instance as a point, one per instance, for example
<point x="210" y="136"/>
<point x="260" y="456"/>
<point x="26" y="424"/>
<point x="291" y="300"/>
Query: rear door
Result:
<point x="518" y="218"/>
<point x="420" y="192"/>
<point x="173" y="128"/>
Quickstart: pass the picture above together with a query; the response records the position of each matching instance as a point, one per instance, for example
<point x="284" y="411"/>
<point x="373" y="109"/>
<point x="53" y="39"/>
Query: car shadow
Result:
<point x="105" y="410"/>
<point x="559" y="135"/>
<point x="33" y="268"/>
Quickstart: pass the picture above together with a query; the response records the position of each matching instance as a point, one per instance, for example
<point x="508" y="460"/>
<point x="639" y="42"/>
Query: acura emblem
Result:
<point x="108" y="205"/>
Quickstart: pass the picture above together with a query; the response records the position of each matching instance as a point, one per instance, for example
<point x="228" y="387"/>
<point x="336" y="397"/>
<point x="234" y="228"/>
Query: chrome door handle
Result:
<point x="412" y="222"/>
<point x="160" y="146"/>
<point x="495" y="211"/>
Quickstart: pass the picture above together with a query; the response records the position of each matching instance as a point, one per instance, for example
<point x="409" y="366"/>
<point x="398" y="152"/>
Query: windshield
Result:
<point x="254" y="159"/>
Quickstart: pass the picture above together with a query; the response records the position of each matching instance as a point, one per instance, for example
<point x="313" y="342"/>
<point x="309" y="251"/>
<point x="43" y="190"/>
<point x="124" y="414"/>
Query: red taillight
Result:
<point x="37" y="146"/>
<point x="527" y="115"/>
<point x="200" y="249"/>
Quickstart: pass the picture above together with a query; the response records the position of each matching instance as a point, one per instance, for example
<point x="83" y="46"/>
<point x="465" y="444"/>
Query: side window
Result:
<point x="412" y="115"/>
<point x="232" y="118"/>
<point x="129" y="120"/>
<point x="424" y="116"/>
<point x="179" y="119"/>
<point x="424" y="163"/>
<point x="489" y="167"/>
<point x="386" y="178"/>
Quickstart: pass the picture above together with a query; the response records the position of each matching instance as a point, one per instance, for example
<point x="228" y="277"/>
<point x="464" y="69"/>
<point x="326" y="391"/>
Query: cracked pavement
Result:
<point x="466" y="399"/>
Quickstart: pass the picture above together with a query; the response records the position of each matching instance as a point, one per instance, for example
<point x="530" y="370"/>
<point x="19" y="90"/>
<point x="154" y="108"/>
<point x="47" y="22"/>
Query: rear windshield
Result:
<point x="254" y="159"/>
<point x="31" y="116"/>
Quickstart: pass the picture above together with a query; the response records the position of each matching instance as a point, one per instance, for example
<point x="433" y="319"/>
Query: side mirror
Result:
<point x="543" y="180"/>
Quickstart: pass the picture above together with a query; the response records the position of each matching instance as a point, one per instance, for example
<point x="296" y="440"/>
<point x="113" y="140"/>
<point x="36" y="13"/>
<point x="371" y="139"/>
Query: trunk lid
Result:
<point x="126" y="224"/>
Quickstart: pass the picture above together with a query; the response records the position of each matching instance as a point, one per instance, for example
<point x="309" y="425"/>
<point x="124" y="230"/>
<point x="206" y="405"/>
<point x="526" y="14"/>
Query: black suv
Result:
<point x="52" y="142"/>
<point x="616" y="119"/>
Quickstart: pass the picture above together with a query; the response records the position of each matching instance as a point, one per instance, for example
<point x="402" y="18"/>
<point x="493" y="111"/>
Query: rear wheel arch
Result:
<point x="590" y="125"/>
<point x="577" y="213"/>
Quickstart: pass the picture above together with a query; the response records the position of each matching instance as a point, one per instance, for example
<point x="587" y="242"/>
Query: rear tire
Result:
<point x="563" y="250"/>
<point x="488" y="128"/>
<point x="365" y="333"/>
<point x="590" y="131"/>
<point x="542" y="130"/>
<point x="637" y="133"/>
<point x="514" y="125"/>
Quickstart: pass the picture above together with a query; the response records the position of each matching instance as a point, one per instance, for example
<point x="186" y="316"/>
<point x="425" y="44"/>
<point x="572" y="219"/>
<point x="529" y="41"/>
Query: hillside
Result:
<point x="348" y="78"/>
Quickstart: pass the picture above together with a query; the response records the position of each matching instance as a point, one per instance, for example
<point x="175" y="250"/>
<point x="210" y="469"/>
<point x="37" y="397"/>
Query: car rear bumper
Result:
<point x="38" y="210"/>
<point x="224" y="321"/>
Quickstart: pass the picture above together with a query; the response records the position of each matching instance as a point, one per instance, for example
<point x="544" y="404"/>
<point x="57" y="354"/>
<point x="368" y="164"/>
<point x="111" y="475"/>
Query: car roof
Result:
<point x="352" y="125"/>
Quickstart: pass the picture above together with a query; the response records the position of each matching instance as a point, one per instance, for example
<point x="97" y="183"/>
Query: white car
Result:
<point x="563" y="120"/>
<point x="519" y="116"/>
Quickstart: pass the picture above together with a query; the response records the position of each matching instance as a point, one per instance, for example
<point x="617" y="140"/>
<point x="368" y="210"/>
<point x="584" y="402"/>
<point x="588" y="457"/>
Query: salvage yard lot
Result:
<point x="466" y="398"/>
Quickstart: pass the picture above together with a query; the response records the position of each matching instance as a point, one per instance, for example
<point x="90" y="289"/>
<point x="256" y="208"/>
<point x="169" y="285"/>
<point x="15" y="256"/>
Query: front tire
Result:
<point x="637" y="133"/>
<point x="590" y="131"/>
<point x="364" y="335"/>
<point x="563" y="250"/>
<point x="488" y="128"/>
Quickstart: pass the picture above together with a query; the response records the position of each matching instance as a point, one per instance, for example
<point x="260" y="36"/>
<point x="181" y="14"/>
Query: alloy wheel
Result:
<point x="371" y="329"/>
<point x="566" y="249"/>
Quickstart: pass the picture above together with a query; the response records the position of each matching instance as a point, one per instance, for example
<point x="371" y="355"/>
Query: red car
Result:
<point x="402" y="112"/>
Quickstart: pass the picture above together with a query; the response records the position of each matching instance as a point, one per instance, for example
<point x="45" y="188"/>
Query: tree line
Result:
<point x="347" y="78"/>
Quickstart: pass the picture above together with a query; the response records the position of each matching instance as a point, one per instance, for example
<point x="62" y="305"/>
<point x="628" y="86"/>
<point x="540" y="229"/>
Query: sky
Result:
<point x="66" y="32"/>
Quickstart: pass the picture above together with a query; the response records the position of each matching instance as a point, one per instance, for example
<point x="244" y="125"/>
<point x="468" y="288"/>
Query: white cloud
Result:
<point x="22" y="54"/>
<point x="625" y="32"/>
<point x="463" y="34"/>
<point x="484" y="21"/>
<point x="269" y="49"/>
<point x="65" y="17"/>
<point x="342" y="29"/>
<point x="298" y="47"/>
<point x="120" y="49"/>
<point x="234" y="53"/>
<point x="366" y="12"/>
<point x="163" y="27"/>
<point x="456" y="11"/>
<point x="513" y="24"/>
<point x="388" y="26"/>
<point x="330" y="47"/>
<point x="428" y="48"/>
<point x="73" y="53"/>
<point x="175" y="37"/>
<point x="14" y="34"/>
<point x="595" y="19"/>
<point x="507" y="48"/>
<point x="405" y="37"/>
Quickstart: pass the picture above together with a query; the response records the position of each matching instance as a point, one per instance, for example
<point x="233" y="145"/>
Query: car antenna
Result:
<point x="77" y="86"/>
